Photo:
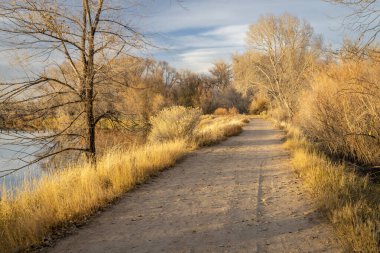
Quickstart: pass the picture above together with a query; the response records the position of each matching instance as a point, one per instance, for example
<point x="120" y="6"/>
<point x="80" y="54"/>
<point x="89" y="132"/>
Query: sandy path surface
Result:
<point x="238" y="196"/>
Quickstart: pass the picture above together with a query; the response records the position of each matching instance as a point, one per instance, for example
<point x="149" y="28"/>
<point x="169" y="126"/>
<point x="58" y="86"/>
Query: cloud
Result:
<point x="198" y="50"/>
<point x="199" y="60"/>
<point x="234" y="34"/>
<point x="210" y="46"/>
<point x="203" y="31"/>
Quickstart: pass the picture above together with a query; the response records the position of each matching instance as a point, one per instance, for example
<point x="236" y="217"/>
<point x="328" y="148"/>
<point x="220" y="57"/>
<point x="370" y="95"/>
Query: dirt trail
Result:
<point x="238" y="196"/>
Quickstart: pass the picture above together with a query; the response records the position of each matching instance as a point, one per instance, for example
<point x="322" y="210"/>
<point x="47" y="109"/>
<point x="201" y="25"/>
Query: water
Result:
<point x="15" y="153"/>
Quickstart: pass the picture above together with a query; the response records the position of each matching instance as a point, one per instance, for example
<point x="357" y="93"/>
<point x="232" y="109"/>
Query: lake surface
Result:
<point x="15" y="154"/>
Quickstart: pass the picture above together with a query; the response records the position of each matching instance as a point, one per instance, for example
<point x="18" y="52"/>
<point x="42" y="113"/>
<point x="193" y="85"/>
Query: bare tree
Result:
<point x="221" y="74"/>
<point x="243" y="75"/>
<point x="364" y="19"/>
<point x="75" y="43"/>
<point x="284" y="51"/>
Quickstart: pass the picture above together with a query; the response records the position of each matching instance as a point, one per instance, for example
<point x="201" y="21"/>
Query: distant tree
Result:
<point x="221" y="75"/>
<point x="244" y="76"/>
<point x="75" y="45"/>
<point x="148" y="82"/>
<point x="187" y="89"/>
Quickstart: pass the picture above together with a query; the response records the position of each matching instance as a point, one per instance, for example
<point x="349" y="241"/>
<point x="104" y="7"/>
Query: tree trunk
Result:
<point x="91" y="153"/>
<point x="89" y="104"/>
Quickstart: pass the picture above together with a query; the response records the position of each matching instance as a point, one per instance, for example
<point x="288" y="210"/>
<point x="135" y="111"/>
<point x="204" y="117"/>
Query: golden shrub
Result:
<point x="174" y="123"/>
<point x="221" y="111"/>
<point x="233" y="111"/>
<point x="342" y="111"/>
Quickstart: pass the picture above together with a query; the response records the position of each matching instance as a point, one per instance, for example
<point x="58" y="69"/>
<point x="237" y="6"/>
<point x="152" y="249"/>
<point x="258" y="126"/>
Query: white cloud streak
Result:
<point x="205" y="31"/>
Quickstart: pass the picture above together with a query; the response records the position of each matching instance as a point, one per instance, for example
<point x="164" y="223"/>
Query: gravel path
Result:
<point x="237" y="196"/>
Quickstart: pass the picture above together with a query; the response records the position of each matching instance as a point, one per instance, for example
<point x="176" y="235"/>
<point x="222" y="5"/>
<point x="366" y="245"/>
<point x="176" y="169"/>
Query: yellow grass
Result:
<point x="72" y="194"/>
<point x="350" y="202"/>
<point x="213" y="129"/>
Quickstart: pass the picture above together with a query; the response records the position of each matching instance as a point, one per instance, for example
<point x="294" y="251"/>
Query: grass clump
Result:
<point x="351" y="202"/>
<point x="213" y="129"/>
<point x="174" y="123"/>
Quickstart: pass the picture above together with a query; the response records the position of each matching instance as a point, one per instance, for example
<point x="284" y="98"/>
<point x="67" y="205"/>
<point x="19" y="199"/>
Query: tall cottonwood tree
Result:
<point x="283" y="51"/>
<point x="74" y="43"/>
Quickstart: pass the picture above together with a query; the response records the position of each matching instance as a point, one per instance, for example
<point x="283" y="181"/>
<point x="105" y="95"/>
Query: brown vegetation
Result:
<point x="342" y="110"/>
<point x="221" y="111"/>
<point x="173" y="123"/>
<point x="213" y="129"/>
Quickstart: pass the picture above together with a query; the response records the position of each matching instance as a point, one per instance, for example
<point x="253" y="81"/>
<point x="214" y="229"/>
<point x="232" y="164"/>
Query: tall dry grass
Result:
<point x="71" y="194"/>
<point x="213" y="129"/>
<point x="350" y="201"/>
<point x="173" y="123"/>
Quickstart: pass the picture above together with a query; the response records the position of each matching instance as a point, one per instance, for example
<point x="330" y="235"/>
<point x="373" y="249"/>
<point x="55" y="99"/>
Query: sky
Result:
<point x="192" y="34"/>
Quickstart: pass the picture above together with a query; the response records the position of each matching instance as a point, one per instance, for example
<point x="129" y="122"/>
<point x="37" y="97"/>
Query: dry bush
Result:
<point x="342" y="111"/>
<point x="172" y="123"/>
<point x="221" y="111"/>
<point x="233" y="111"/>
<point x="279" y="114"/>
<point x="258" y="105"/>
<point x="349" y="201"/>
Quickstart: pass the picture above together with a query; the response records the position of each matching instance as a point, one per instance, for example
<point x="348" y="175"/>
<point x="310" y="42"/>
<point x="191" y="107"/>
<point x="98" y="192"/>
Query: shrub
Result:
<point x="233" y="130"/>
<point x="279" y="114"/>
<point x="258" y="106"/>
<point x="342" y="111"/>
<point x="221" y="111"/>
<point x="233" y="111"/>
<point x="174" y="123"/>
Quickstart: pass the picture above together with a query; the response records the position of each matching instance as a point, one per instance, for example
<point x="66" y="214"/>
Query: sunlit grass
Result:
<point x="350" y="201"/>
<point x="213" y="129"/>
